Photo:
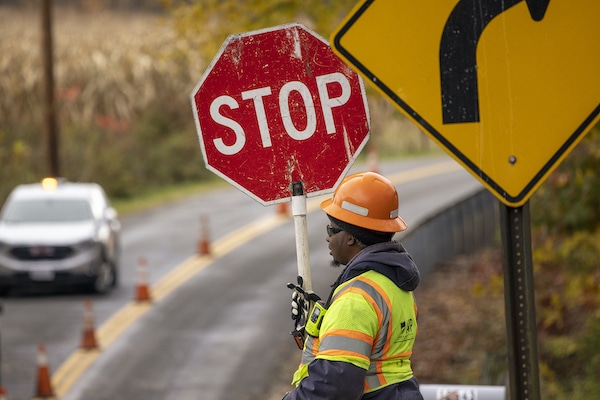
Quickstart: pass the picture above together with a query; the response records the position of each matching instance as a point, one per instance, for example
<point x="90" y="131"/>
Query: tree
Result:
<point x="205" y="24"/>
<point x="566" y="220"/>
<point x="569" y="201"/>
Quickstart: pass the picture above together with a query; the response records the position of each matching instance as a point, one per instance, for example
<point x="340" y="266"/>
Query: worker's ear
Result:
<point x="351" y="240"/>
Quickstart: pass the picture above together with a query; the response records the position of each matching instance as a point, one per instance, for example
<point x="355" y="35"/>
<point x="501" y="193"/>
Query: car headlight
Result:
<point x="86" y="245"/>
<point x="103" y="233"/>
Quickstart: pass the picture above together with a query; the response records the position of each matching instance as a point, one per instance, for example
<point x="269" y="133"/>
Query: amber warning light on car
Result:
<point x="49" y="183"/>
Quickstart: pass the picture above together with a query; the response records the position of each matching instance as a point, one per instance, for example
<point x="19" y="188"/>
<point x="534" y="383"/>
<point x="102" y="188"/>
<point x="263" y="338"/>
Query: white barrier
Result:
<point x="462" y="392"/>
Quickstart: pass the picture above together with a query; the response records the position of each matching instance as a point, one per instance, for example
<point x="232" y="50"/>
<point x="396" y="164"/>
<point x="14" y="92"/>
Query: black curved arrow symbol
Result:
<point x="458" y="50"/>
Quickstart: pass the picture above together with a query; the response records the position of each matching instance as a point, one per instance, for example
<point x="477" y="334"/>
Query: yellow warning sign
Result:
<point x="507" y="88"/>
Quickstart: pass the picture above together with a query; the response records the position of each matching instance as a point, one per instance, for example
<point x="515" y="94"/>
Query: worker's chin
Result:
<point x="335" y="263"/>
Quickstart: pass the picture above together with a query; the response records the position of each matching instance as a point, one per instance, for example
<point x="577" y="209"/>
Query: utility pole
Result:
<point x="2" y="389"/>
<point x="49" y="99"/>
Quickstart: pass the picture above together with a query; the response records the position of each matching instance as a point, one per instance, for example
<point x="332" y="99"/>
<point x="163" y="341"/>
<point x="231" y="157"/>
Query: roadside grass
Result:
<point x="155" y="197"/>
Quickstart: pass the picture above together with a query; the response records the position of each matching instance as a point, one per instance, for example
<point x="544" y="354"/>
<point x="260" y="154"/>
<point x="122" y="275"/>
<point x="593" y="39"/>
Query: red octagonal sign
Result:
<point x="277" y="106"/>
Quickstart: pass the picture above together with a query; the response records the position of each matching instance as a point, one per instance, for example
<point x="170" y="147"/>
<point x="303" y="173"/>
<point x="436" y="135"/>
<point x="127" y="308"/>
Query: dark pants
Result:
<point x="407" y="390"/>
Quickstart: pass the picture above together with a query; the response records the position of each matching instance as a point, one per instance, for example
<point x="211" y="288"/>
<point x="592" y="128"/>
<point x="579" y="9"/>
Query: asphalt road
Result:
<point x="218" y="326"/>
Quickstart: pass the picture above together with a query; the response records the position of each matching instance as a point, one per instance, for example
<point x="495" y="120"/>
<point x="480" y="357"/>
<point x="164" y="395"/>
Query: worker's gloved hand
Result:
<point x="301" y="304"/>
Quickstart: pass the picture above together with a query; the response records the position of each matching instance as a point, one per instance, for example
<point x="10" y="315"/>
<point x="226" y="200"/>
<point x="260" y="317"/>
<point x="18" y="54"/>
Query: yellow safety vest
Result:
<point x="370" y="323"/>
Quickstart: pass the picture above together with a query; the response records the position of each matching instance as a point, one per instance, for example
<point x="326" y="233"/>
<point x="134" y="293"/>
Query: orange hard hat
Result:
<point x="367" y="200"/>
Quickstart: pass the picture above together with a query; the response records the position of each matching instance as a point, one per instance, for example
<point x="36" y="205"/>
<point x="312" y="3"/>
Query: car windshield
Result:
<point x="48" y="210"/>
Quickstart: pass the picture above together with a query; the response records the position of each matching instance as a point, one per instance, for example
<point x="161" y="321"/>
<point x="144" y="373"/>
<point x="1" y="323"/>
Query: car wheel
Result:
<point x="105" y="278"/>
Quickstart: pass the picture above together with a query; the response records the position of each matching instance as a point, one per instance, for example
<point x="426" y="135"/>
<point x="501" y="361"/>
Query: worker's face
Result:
<point x="339" y="245"/>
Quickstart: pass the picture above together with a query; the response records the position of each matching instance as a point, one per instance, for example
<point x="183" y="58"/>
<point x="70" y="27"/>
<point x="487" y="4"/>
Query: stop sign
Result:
<point x="277" y="106"/>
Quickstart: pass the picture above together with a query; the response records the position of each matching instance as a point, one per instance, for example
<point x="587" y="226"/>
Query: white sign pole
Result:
<point x="301" y="230"/>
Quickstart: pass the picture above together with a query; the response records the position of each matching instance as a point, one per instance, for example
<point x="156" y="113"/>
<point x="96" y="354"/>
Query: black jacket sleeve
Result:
<point x="330" y="380"/>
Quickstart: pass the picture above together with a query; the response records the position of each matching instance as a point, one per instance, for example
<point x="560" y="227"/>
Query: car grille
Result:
<point x="41" y="252"/>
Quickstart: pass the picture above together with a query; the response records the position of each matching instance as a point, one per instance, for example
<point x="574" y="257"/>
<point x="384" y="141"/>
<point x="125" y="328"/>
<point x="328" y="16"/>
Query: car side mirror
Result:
<point x="110" y="214"/>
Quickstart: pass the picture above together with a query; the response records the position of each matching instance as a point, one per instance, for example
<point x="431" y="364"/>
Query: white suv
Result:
<point x="59" y="233"/>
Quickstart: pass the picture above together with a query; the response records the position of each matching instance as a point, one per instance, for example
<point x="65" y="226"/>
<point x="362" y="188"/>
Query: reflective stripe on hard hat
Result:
<point x="355" y="208"/>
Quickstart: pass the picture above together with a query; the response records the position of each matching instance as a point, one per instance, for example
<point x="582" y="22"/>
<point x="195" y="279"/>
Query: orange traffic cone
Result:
<point x="282" y="209"/>
<point x="88" y="340"/>
<point x="44" y="385"/>
<point x="2" y="393"/>
<point x="142" y="292"/>
<point x="204" y="242"/>
<point x="372" y="160"/>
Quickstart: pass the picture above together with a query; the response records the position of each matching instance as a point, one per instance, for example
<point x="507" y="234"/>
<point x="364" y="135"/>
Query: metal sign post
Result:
<point x="520" y="303"/>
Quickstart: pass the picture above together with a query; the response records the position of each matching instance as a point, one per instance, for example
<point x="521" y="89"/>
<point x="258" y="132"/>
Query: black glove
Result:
<point x="301" y="304"/>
